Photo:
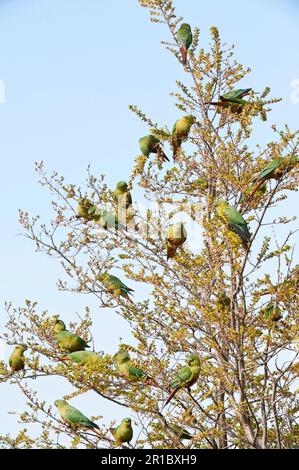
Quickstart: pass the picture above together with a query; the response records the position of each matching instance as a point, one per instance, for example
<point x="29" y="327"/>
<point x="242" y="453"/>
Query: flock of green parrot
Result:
<point x="150" y="144"/>
<point x="176" y="236"/>
<point x="72" y="346"/>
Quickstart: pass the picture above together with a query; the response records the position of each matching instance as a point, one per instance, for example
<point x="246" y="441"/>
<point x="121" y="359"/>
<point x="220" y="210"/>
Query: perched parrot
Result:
<point x="275" y="169"/>
<point x="176" y="237"/>
<point x="272" y="312"/>
<point x="233" y="100"/>
<point x="186" y="377"/>
<point x="106" y="219"/>
<point x="223" y="299"/>
<point x="74" y="417"/>
<point x="115" y="286"/>
<point x="150" y="144"/>
<point x="123" y="365"/>
<point x="235" y="94"/>
<point x="234" y="220"/>
<point x="16" y="360"/>
<point x="182" y="433"/>
<point x="180" y="133"/>
<point x="66" y="340"/>
<point x="201" y="184"/>
<point x="84" y="208"/>
<point x="122" y="194"/>
<point x="185" y="38"/>
<point x="124" y="432"/>
<point x="82" y="357"/>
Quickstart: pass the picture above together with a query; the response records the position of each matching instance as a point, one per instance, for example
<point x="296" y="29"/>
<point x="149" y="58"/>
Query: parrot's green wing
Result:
<point x="79" y="356"/>
<point x="184" y="374"/>
<point x="136" y="373"/>
<point x="75" y="416"/>
<point x="237" y="223"/>
<point x="236" y="94"/>
<point x="269" y="169"/>
<point x="272" y="312"/>
<point x="119" y="284"/>
<point x="70" y="342"/>
<point x="237" y="101"/>
<point x="148" y="144"/>
<point x="184" y="35"/>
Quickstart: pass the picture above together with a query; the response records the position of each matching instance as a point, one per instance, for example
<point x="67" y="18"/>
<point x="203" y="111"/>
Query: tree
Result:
<point x="233" y="305"/>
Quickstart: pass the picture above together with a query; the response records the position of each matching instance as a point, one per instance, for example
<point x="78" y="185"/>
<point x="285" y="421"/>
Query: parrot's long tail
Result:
<point x="127" y="297"/>
<point x="245" y="244"/>
<point x="95" y="430"/>
<point x="171" y="251"/>
<point x="174" y="391"/>
<point x="176" y="149"/>
<point x="260" y="183"/>
<point x="217" y="103"/>
<point x="184" y="55"/>
<point x="163" y="155"/>
<point x="65" y="358"/>
<point x="95" y="426"/>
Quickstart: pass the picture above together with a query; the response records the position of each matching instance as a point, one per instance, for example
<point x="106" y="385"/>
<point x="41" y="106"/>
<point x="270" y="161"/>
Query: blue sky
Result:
<point x="70" y="69"/>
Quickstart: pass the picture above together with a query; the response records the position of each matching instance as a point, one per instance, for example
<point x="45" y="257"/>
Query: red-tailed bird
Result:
<point x="186" y="376"/>
<point x="185" y="38"/>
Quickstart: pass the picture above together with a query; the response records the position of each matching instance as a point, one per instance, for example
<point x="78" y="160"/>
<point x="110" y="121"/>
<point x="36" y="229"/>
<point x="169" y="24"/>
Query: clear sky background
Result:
<point x="71" y="68"/>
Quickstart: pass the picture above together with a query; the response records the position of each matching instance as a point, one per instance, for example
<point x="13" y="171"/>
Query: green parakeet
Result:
<point x="235" y="94"/>
<point x="223" y="299"/>
<point x="124" y="432"/>
<point x="185" y="38"/>
<point x="176" y="237"/>
<point x="201" y="185"/>
<point x="234" y="220"/>
<point x="275" y="169"/>
<point x="180" y="133"/>
<point x="233" y="100"/>
<point x="272" y="312"/>
<point x="123" y="365"/>
<point x="150" y="144"/>
<point x="180" y="432"/>
<point x="82" y="357"/>
<point x="115" y="286"/>
<point x="106" y="219"/>
<point x="73" y="417"/>
<point x="83" y="209"/>
<point x="122" y="195"/>
<point x="16" y="359"/>
<point x="186" y="376"/>
<point x="66" y="340"/>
